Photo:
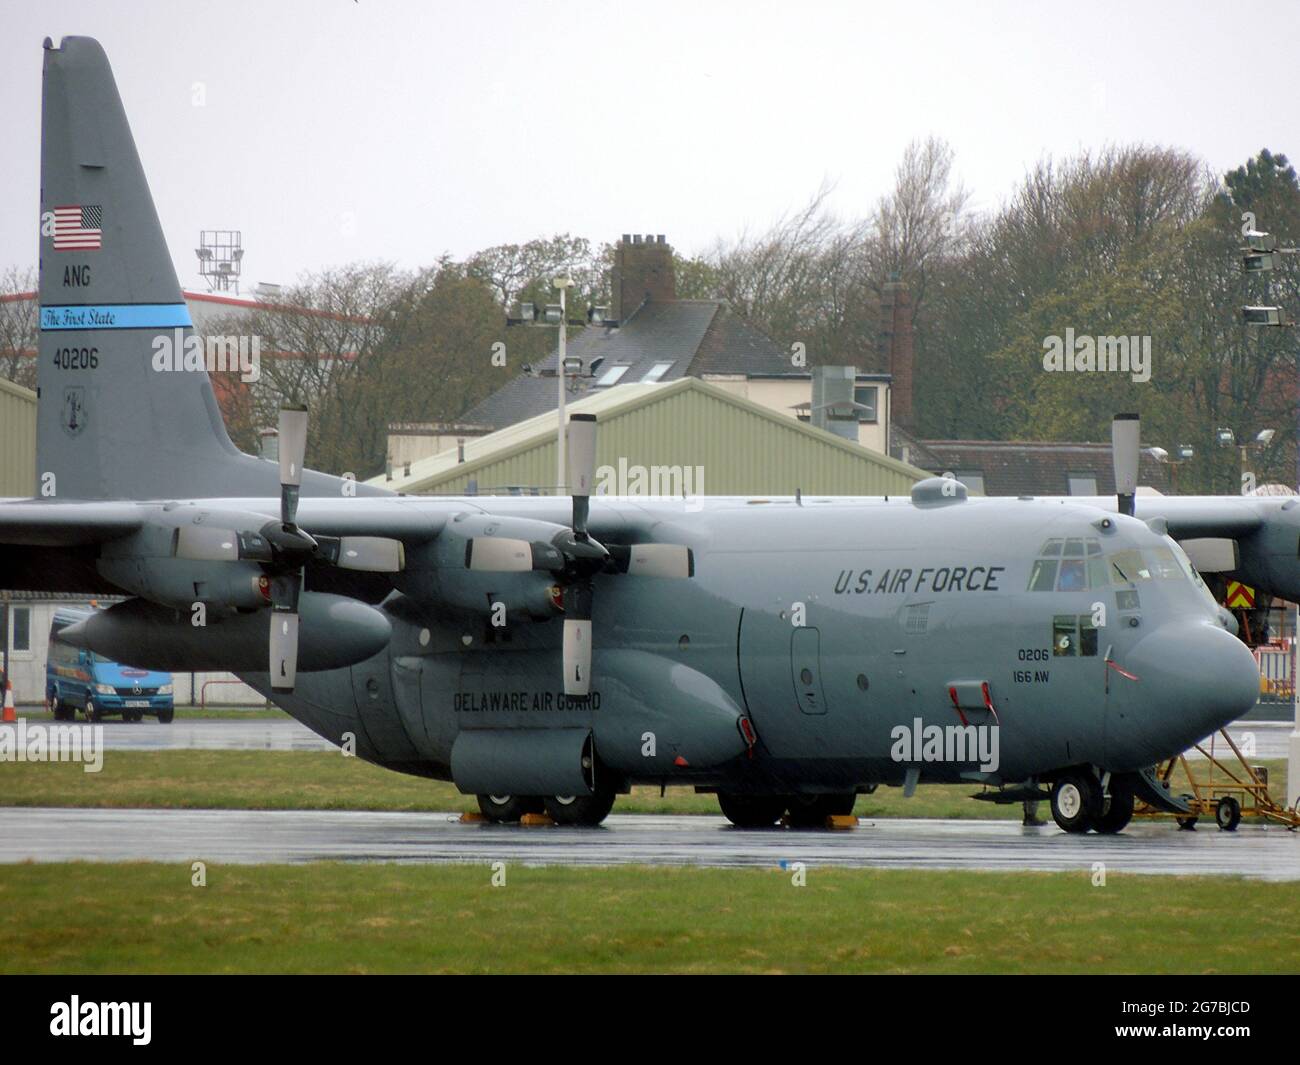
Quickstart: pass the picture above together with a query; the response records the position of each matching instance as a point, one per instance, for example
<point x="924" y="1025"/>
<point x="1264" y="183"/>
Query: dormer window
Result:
<point x="612" y="376"/>
<point x="657" y="371"/>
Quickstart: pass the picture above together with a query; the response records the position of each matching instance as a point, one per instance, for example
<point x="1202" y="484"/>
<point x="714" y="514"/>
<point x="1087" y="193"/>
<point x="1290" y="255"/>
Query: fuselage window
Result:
<point x="1065" y="636"/>
<point x="1074" y="635"/>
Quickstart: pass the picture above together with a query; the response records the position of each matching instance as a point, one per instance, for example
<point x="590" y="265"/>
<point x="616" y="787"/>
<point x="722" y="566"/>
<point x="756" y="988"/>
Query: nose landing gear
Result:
<point x="1079" y="803"/>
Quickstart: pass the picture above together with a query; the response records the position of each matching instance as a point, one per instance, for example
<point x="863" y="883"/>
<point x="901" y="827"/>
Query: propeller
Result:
<point x="575" y="557"/>
<point x="584" y="555"/>
<point x="283" y="550"/>
<point x="293" y="546"/>
<point x="1125" y="439"/>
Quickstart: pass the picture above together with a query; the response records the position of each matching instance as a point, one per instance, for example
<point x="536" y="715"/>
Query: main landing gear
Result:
<point x="1079" y="804"/>
<point x="763" y="811"/>
<point x="585" y="810"/>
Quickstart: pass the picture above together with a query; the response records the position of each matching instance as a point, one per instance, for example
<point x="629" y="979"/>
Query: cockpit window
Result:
<point x="1074" y="576"/>
<point x="1043" y="577"/>
<point x="1068" y="565"/>
<point x="1149" y="564"/>
<point x="1127" y="567"/>
<point x="1077" y="564"/>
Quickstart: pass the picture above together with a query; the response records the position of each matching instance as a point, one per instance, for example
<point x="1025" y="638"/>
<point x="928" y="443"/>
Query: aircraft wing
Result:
<point x="44" y="523"/>
<point x="1235" y="517"/>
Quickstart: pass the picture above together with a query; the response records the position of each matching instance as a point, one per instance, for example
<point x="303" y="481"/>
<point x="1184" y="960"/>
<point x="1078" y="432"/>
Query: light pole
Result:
<point x="563" y="284"/>
<point x="1260" y="256"/>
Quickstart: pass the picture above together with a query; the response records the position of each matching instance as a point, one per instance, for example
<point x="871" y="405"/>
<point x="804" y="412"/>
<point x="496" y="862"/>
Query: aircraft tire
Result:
<point x="507" y="809"/>
<point x="1076" y="801"/>
<point x="586" y="810"/>
<point x="752" y="811"/>
<point x="1117" y="811"/>
<point x="1227" y="813"/>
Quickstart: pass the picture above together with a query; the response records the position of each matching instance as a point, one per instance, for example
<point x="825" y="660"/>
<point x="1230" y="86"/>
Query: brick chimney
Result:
<point x="643" y="270"/>
<point x="896" y="325"/>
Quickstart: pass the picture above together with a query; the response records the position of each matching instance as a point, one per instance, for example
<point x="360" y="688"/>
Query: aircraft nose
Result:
<point x="1193" y="679"/>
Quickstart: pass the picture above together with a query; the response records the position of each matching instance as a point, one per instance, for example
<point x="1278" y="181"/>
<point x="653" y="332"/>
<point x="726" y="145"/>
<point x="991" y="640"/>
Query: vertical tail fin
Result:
<point x="110" y="425"/>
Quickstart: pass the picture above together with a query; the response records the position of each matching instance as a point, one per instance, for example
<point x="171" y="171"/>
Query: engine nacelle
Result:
<point x="146" y="564"/>
<point x="437" y="572"/>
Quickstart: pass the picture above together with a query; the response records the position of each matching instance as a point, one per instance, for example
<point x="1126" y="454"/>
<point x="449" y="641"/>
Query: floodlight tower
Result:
<point x="221" y="256"/>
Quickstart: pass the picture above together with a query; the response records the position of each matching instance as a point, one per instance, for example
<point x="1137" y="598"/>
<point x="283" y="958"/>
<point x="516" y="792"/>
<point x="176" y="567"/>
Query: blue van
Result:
<point x="79" y="679"/>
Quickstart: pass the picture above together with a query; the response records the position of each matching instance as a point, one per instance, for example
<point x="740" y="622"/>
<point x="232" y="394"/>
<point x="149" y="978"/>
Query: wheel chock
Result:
<point x="841" y="821"/>
<point x="470" y="817"/>
<point x="536" y="819"/>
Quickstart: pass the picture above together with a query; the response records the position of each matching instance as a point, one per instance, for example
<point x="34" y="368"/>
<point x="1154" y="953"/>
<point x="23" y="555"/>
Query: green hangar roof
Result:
<point x="721" y="443"/>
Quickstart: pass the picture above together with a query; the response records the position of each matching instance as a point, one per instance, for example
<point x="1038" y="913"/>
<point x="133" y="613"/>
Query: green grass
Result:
<point x="330" y="917"/>
<point x="325" y="780"/>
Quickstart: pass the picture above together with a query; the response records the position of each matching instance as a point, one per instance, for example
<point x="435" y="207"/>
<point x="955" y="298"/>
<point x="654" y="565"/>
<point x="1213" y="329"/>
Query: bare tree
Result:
<point x="19" y="326"/>
<point x="922" y="220"/>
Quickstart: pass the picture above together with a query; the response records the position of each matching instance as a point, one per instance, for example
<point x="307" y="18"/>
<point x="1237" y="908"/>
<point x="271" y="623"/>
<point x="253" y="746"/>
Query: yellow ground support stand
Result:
<point x="1222" y="791"/>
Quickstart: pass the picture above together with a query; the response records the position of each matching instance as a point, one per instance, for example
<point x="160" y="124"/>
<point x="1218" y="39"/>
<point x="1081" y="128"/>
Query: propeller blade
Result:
<point x="671" y="561"/>
<point x="284" y="630"/>
<point x="1125" y="442"/>
<point x="580" y="453"/>
<point x="293" y="448"/>
<point x="204" y="543"/>
<point x="284" y="650"/>
<point x="577" y="657"/>
<point x="368" y="554"/>
<point x="577" y="639"/>
<point x="498" y="554"/>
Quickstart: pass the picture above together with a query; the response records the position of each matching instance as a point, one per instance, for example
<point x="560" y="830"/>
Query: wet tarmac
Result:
<point x="213" y="734"/>
<point x="1267" y="739"/>
<point x="251" y="837"/>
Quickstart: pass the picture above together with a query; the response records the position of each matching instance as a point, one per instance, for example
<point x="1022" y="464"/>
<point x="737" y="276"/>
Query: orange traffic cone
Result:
<point x="11" y="715"/>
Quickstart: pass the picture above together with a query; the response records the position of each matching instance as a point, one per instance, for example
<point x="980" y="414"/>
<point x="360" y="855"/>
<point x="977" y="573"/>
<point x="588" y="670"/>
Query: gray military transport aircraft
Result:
<point x="784" y="654"/>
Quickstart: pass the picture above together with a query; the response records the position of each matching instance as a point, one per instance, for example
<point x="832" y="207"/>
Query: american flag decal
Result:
<point x="78" y="228"/>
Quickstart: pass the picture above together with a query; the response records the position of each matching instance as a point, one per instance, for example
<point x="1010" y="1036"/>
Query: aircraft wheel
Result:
<point x="1186" y="824"/>
<point x="587" y="810"/>
<point x="1117" y="811"/>
<point x="1228" y="813"/>
<point x="751" y="811"/>
<point x="1075" y="802"/>
<point x="506" y="809"/>
<point x="165" y="716"/>
<point x="92" y="711"/>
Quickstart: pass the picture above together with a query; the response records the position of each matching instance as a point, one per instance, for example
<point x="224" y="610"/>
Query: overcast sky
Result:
<point x="333" y="130"/>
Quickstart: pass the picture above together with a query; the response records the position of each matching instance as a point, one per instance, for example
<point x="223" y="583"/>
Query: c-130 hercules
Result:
<point x="787" y="655"/>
